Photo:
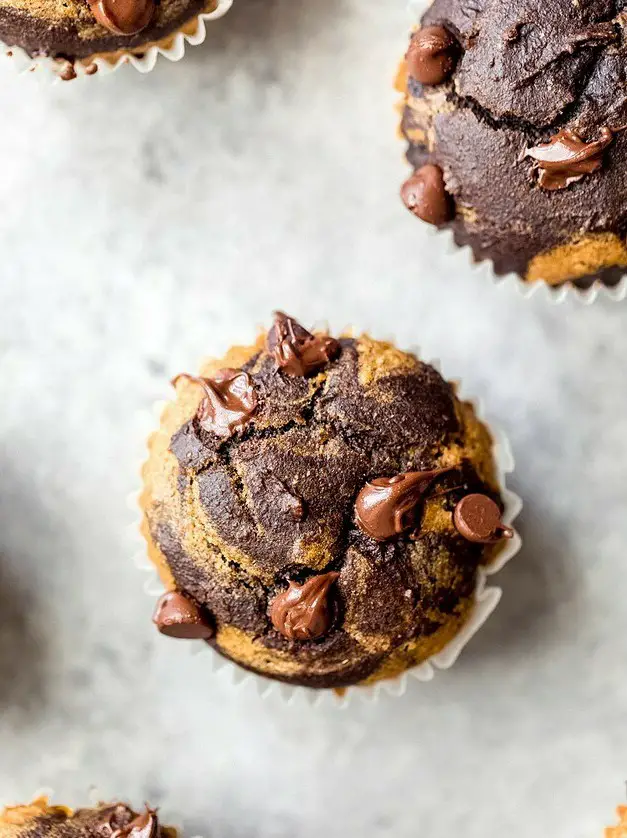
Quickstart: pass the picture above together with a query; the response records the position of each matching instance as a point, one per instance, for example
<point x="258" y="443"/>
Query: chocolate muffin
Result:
<point x="114" y="820"/>
<point x="82" y="30"/>
<point x="515" y="115"/>
<point x="319" y="508"/>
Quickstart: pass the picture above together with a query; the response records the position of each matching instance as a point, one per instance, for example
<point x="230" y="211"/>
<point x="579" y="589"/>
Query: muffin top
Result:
<point x="302" y="500"/>
<point x="82" y="29"/>
<point x="115" y="820"/>
<point x="522" y="105"/>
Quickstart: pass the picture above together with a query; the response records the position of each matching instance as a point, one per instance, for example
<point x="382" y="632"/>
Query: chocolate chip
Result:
<point x="229" y="403"/>
<point x="178" y="616"/>
<point x="302" y="612"/>
<point x="478" y="519"/>
<point x="123" y="17"/>
<point x="432" y="55"/>
<point x="296" y="351"/>
<point x="566" y="158"/>
<point x="387" y="506"/>
<point x="425" y="195"/>
<point x="145" y="825"/>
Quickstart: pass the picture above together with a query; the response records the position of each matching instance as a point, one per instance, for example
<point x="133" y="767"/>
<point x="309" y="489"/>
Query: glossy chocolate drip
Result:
<point x="566" y="158"/>
<point x="296" y="351"/>
<point x="388" y="506"/>
<point x="229" y="403"/>
<point x="302" y="612"/>
<point x="123" y="17"/>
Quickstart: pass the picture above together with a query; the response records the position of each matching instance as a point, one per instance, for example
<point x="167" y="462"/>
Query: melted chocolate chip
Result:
<point x="114" y="820"/>
<point x="478" y="519"/>
<point x="296" y="351"/>
<point x="432" y="54"/>
<point x="388" y="506"/>
<point x="123" y="17"/>
<point x="145" y="825"/>
<point x="178" y="616"/>
<point x="566" y="158"/>
<point x="229" y="403"/>
<point x="302" y="612"/>
<point x="424" y="194"/>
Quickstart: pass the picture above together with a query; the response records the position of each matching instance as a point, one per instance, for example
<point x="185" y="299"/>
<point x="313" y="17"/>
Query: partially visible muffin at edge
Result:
<point x="619" y="831"/>
<point x="40" y="819"/>
<point x="515" y="116"/>
<point x="81" y="30"/>
<point x="318" y="509"/>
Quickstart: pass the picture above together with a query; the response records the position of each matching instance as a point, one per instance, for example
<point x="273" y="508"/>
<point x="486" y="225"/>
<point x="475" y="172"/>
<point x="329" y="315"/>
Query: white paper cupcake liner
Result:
<point x="171" y="47"/>
<point x="94" y="797"/>
<point x="486" y="597"/>
<point x="538" y="288"/>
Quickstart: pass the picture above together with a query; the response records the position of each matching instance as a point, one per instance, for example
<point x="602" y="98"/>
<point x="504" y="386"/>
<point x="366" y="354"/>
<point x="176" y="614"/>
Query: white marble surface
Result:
<point x="145" y="222"/>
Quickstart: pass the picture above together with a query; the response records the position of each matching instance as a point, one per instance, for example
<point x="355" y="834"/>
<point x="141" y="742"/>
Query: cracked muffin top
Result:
<point x="515" y="115"/>
<point x="318" y="508"/>
<point x="115" y="820"/>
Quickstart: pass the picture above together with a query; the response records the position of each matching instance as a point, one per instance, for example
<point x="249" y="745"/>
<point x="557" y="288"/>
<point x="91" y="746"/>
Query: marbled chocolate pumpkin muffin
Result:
<point x="515" y="116"/>
<point x="113" y="820"/>
<point x="319" y="508"/>
<point x="74" y="31"/>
